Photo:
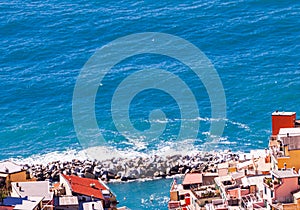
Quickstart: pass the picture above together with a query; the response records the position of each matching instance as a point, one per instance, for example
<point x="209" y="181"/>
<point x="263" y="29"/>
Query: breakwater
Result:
<point x="124" y="169"/>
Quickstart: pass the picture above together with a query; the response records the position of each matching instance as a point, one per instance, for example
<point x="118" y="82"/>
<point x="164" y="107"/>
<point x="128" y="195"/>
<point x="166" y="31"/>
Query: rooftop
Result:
<point x="254" y="180"/>
<point x="223" y="165"/>
<point x="29" y="204"/>
<point x="277" y="113"/>
<point x="262" y="166"/>
<point x="238" y="175"/>
<point x="12" y="201"/>
<point x="85" y="186"/>
<point x="192" y="179"/>
<point x="290" y="131"/>
<point x="284" y="173"/>
<point x="296" y="195"/>
<point x="8" y="167"/>
<point x="244" y="164"/>
<point x="41" y="188"/>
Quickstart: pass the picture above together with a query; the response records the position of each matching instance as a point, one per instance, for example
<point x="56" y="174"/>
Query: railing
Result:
<point x="272" y="183"/>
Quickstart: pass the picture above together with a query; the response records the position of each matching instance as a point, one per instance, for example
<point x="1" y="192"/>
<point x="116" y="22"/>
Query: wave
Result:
<point x="200" y="119"/>
<point x="104" y="153"/>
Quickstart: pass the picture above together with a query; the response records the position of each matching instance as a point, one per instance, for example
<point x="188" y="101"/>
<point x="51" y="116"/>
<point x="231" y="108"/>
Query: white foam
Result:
<point x="136" y="148"/>
<point x="68" y="155"/>
<point x="103" y="153"/>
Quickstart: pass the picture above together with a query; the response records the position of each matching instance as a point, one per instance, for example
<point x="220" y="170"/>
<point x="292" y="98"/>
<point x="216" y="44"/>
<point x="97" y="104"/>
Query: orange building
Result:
<point x="285" y="141"/>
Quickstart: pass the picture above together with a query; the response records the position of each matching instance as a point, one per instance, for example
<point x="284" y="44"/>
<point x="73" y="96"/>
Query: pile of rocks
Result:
<point x="130" y="169"/>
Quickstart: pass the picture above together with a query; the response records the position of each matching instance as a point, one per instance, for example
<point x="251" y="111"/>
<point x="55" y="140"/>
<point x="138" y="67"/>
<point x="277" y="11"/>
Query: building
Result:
<point x="33" y="189"/>
<point x="285" y="149"/>
<point x="86" y="190"/>
<point x="284" y="143"/>
<point x="27" y="203"/>
<point x="282" y="120"/>
<point x="11" y="172"/>
<point x="192" y="181"/>
<point x="280" y="189"/>
<point x="192" y="194"/>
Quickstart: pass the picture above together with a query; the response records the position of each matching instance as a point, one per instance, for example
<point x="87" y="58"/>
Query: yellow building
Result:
<point x="285" y="149"/>
<point x="11" y="172"/>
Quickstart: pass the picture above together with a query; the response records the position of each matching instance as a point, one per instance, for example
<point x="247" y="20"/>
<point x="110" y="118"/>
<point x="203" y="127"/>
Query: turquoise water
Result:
<point x="253" y="45"/>
<point x="143" y="195"/>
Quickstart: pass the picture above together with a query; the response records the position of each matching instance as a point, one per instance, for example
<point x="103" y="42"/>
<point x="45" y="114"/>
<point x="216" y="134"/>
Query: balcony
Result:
<point x="271" y="183"/>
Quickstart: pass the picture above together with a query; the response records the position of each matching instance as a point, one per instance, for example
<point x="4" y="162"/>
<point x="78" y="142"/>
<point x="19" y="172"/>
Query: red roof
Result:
<point x="192" y="179"/>
<point x="85" y="186"/>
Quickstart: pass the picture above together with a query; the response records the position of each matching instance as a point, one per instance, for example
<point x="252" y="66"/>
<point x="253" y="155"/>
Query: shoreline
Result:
<point x="120" y="170"/>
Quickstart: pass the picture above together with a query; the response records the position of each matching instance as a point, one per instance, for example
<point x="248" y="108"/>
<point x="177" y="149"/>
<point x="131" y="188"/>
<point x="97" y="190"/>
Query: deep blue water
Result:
<point x="253" y="44"/>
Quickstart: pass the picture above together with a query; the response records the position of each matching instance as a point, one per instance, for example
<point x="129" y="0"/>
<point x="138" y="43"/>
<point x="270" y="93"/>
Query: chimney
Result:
<point x="284" y="166"/>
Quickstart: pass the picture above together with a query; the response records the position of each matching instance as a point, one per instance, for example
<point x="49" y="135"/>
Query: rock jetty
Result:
<point x="122" y="169"/>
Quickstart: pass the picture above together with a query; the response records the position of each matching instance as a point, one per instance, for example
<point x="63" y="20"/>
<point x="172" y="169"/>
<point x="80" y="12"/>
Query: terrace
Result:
<point x="272" y="183"/>
<point x="205" y="194"/>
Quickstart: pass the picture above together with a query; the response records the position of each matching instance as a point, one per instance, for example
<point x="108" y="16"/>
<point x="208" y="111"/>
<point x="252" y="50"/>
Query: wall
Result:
<point x="65" y="183"/>
<point x="222" y="171"/>
<point x="15" y="177"/>
<point x="291" y="161"/>
<point x="282" y="121"/>
<point x="284" y="190"/>
<point x="290" y="206"/>
<point x="234" y="193"/>
<point x="174" y="196"/>
<point x="208" y="180"/>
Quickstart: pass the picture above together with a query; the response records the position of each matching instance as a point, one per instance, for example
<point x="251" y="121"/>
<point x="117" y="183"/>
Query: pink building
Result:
<point x="279" y="188"/>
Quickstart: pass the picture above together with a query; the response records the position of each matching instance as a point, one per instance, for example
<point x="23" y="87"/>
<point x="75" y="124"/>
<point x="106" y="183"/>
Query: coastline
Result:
<point x="134" y="169"/>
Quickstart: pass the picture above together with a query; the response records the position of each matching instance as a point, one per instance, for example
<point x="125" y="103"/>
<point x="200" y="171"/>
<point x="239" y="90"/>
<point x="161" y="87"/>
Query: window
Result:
<point x="265" y="190"/>
<point x="272" y="194"/>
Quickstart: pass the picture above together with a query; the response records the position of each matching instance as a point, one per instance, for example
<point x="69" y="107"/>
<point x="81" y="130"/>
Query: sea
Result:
<point x="252" y="49"/>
